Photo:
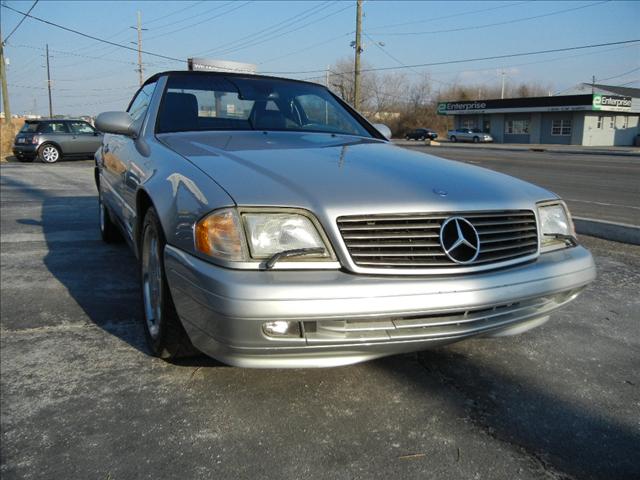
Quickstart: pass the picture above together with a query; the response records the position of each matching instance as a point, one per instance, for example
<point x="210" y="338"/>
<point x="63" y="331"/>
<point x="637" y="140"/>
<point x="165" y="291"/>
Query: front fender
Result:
<point x="180" y="193"/>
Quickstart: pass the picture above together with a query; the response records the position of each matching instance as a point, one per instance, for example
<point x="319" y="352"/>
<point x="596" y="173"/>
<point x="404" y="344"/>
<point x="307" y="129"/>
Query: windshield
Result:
<point x="208" y="102"/>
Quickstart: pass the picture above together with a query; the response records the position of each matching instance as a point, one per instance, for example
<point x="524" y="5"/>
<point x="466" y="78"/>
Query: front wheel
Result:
<point x="49" y="153"/>
<point x="453" y="138"/>
<point x="164" y="332"/>
<point x="476" y="140"/>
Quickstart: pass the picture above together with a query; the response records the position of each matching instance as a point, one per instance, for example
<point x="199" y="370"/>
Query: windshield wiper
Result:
<point x="297" y="252"/>
<point x="569" y="239"/>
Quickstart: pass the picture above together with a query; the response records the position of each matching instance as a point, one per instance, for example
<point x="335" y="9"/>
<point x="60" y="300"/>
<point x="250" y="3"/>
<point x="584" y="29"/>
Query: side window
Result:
<point x="53" y="127"/>
<point x="324" y="114"/>
<point x="140" y="104"/>
<point x="81" y="128"/>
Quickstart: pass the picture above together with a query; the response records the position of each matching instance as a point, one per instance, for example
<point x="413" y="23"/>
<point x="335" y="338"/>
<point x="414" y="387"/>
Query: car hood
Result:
<point x="341" y="175"/>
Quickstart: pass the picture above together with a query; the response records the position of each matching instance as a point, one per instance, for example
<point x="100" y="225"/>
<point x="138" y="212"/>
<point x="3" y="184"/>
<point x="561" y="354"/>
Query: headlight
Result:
<point x="271" y="233"/>
<point x="555" y="226"/>
<point x="256" y="236"/>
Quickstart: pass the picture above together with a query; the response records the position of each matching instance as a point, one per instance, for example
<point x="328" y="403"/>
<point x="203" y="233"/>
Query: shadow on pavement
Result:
<point x="555" y="432"/>
<point x="101" y="279"/>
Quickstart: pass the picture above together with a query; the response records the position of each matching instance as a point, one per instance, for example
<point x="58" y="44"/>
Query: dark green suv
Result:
<point x="51" y="140"/>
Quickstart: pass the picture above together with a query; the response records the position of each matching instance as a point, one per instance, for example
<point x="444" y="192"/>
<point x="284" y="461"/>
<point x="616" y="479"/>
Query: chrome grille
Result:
<point x="413" y="240"/>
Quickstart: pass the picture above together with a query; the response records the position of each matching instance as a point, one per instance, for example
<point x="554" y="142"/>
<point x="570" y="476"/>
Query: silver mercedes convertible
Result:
<point x="276" y="227"/>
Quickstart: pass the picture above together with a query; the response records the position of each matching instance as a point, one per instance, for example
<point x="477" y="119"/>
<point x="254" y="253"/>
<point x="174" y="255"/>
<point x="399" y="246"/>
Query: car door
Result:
<point x="84" y="137"/>
<point x="57" y="132"/>
<point x="122" y="160"/>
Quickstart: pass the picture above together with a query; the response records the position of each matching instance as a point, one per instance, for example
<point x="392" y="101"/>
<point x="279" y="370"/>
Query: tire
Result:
<point x="476" y="140"/>
<point x="49" y="153"/>
<point x="164" y="332"/>
<point x="421" y="139"/>
<point x="407" y="138"/>
<point x="453" y="138"/>
<point x="108" y="230"/>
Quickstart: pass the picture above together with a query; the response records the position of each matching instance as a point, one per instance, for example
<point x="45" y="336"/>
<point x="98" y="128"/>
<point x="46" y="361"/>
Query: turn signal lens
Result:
<point x="219" y="235"/>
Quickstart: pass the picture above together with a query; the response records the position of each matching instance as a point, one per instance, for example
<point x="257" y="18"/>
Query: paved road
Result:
<point x="605" y="187"/>
<point x="81" y="398"/>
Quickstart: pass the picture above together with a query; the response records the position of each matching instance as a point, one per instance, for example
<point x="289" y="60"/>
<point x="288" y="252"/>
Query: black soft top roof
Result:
<point x="171" y="73"/>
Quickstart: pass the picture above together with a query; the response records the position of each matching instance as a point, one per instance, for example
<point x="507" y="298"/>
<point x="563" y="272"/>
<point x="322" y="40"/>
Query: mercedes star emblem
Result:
<point x="459" y="240"/>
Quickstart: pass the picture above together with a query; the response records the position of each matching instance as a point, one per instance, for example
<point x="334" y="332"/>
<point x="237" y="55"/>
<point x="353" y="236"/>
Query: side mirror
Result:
<point x="383" y="129"/>
<point x="119" y="123"/>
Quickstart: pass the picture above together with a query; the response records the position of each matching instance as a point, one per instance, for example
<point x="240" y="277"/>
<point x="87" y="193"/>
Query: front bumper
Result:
<point x="347" y="318"/>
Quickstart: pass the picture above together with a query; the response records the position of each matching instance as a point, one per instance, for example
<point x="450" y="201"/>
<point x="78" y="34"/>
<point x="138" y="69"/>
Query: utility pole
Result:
<point x="593" y="84"/>
<point x="140" y="29"/>
<point x="358" y="46"/>
<point x="326" y="104"/>
<point x="5" y="90"/>
<point x="49" y="84"/>
<point x="502" y="94"/>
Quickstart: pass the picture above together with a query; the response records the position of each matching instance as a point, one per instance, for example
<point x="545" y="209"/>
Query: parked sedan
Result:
<point x="421" y="134"/>
<point x="275" y="227"/>
<point x="51" y="140"/>
<point x="474" y="135"/>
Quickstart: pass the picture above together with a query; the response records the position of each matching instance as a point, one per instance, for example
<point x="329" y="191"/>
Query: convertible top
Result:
<point x="156" y="76"/>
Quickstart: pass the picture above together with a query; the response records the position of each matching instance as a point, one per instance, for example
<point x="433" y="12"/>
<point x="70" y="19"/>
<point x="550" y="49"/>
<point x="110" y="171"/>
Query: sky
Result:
<point x="302" y="38"/>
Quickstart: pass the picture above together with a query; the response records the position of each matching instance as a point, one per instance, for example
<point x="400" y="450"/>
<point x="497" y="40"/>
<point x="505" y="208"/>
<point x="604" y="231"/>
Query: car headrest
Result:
<point x="179" y="112"/>
<point x="269" y="119"/>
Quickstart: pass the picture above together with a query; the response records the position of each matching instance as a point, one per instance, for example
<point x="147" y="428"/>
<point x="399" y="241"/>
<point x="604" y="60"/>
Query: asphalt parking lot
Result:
<point x="604" y="187"/>
<point x="81" y="398"/>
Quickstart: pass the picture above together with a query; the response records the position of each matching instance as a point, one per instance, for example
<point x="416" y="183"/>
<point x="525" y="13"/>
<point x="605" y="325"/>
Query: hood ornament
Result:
<point x="442" y="193"/>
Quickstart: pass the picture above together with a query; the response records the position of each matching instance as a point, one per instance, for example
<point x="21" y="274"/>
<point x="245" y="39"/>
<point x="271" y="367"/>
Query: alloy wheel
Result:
<point x="151" y="282"/>
<point x="50" y="154"/>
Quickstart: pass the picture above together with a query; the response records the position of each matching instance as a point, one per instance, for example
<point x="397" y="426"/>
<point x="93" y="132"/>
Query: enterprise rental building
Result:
<point x="608" y="116"/>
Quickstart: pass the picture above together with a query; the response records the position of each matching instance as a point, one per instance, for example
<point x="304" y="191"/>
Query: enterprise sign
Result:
<point x="563" y="103"/>
<point x="611" y="103"/>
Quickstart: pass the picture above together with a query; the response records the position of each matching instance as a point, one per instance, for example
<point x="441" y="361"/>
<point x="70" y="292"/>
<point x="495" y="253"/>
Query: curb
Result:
<point x="532" y="148"/>
<point x="618" y="232"/>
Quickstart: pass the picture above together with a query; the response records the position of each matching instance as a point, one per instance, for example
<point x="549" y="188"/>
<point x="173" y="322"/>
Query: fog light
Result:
<point x="281" y="328"/>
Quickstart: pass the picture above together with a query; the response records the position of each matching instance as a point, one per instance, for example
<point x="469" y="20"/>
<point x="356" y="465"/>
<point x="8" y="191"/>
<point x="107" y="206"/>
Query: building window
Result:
<point x="561" y="127"/>
<point x="612" y="122"/>
<point x="600" y="122"/>
<point x="625" y="121"/>
<point x="468" y="123"/>
<point x="517" y="127"/>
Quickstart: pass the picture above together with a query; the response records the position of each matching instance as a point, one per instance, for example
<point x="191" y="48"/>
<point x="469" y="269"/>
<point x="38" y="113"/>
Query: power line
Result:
<point x="307" y="48"/>
<point x="185" y="19"/>
<point x="47" y="22"/>
<point x="456" y="15"/>
<point x="237" y="7"/>
<point x="495" y="24"/>
<point x="72" y="54"/>
<point x="629" y="83"/>
<point x="273" y="37"/>
<point x="272" y="28"/>
<point x="620" y="75"/>
<point x="20" y="22"/>
<point x="154" y="20"/>
<point x="468" y="60"/>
